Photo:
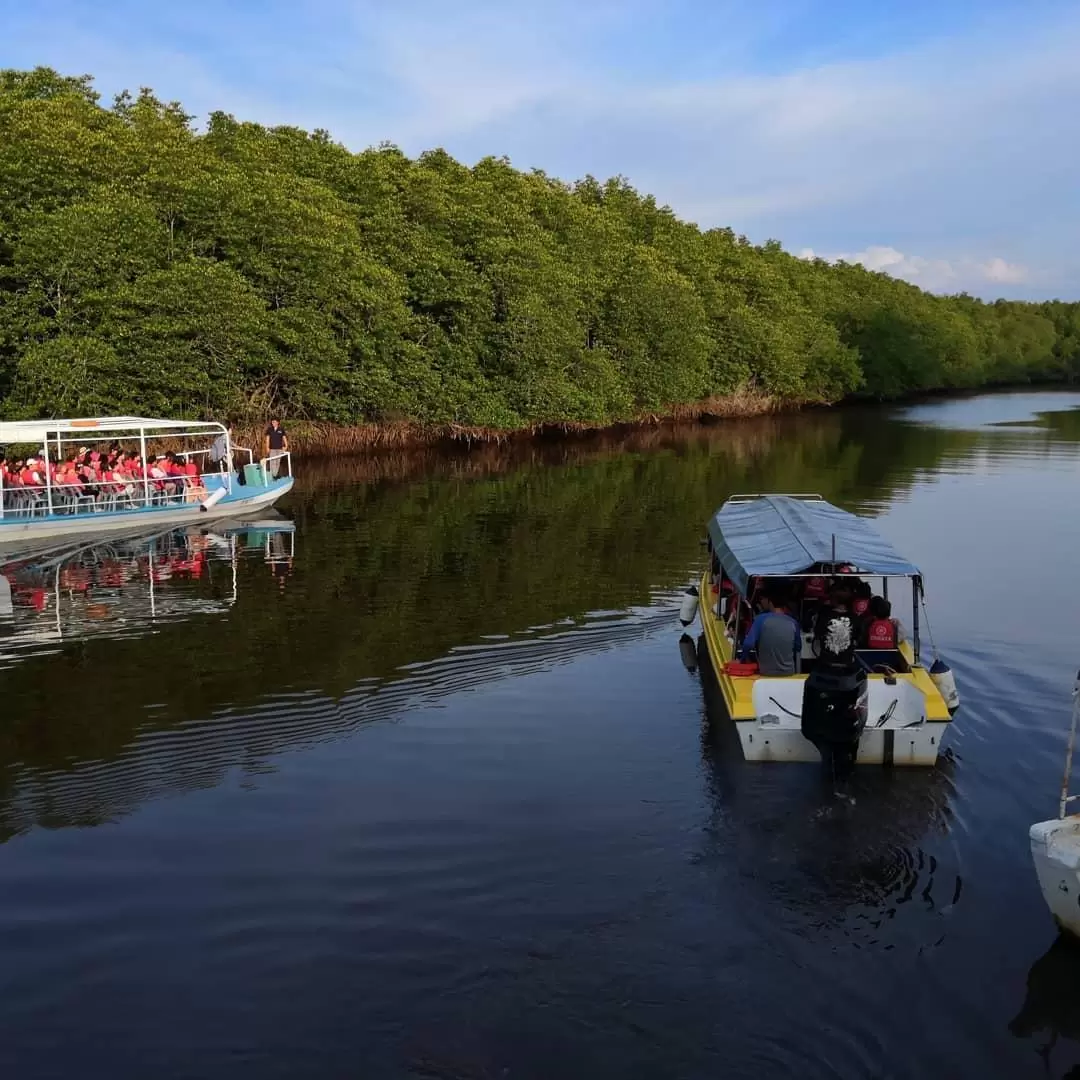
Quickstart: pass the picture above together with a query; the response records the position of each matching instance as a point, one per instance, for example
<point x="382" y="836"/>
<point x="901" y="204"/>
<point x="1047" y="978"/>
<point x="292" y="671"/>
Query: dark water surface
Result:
<point x="423" y="789"/>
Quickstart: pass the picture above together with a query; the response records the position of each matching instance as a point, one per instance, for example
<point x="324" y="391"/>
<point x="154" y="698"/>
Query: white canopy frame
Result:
<point x="98" y="429"/>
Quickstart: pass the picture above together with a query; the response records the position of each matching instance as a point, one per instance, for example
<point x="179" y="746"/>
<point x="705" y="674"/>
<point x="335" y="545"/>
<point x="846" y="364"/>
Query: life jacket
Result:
<point x="191" y="469"/>
<point x="815" y="589"/>
<point x="860" y="606"/>
<point x="881" y="634"/>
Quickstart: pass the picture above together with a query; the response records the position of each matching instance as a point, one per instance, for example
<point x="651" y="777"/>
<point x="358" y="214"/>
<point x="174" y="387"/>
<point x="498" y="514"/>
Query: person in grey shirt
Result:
<point x="219" y="452"/>
<point x="775" y="636"/>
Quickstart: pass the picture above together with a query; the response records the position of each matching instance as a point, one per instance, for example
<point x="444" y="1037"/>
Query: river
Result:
<point x="422" y="788"/>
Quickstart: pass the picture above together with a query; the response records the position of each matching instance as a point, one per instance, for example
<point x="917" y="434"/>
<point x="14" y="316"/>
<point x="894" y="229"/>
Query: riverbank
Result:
<point x="314" y="440"/>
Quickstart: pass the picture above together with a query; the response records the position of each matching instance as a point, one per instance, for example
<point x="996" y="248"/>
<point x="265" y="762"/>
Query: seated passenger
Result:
<point x="775" y="636"/>
<point x="814" y="592"/>
<point x="862" y="592"/>
<point x="836" y="631"/>
<point x="882" y="631"/>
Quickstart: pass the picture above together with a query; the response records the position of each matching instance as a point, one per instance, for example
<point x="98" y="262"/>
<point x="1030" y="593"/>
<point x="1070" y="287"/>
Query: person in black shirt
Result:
<point x="275" y="441"/>
<point x="836" y="630"/>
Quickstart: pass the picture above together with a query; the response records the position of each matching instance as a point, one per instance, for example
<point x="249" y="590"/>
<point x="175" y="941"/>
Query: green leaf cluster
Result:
<point x="149" y="267"/>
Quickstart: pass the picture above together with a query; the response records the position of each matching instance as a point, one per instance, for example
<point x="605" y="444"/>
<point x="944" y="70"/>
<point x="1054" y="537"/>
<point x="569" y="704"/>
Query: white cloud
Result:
<point x="938" y="275"/>
<point x="954" y="145"/>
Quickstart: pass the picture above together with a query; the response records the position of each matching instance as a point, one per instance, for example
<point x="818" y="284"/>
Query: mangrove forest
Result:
<point x="152" y="266"/>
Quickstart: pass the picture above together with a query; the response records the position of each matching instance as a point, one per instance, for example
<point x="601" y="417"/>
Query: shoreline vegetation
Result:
<point x="373" y="301"/>
<point x="312" y="439"/>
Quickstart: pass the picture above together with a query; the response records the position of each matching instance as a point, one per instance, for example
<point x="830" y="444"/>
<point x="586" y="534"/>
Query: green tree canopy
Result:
<point x="149" y="266"/>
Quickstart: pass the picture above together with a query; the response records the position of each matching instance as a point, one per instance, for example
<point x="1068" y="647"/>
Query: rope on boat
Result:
<point x="886" y="716"/>
<point x="926" y="618"/>
<point x="1069" y="750"/>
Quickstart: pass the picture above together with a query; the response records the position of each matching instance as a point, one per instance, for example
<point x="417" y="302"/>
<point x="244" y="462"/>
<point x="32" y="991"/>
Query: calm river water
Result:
<point x="423" y="788"/>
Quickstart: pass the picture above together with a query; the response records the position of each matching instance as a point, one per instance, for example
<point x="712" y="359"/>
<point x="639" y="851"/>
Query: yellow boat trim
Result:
<point x="738" y="690"/>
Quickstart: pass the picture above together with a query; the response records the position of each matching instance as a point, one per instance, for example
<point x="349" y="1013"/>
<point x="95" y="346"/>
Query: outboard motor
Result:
<point x="834" y="709"/>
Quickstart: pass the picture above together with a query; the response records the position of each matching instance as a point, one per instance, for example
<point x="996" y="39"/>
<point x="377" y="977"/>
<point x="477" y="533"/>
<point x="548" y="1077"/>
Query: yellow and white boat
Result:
<point x="904" y="708"/>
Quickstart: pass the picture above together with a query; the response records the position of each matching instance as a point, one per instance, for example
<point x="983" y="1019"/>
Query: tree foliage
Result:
<point x="148" y="267"/>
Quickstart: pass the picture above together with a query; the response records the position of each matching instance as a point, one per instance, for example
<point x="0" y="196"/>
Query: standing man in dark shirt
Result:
<point x="275" y="441"/>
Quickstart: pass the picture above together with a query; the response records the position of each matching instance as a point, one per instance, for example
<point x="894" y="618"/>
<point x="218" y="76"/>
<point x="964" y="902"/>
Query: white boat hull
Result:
<point x="21" y="530"/>
<point x="1055" y="850"/>
<point x="897" y="730"/>
<point x="888" y="746"/>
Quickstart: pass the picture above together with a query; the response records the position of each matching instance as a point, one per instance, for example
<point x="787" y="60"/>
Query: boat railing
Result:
<point x="271" y="471"/>
<point x="98" y="496"/>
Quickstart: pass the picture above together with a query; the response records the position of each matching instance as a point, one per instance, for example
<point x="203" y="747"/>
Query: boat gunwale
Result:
<point x="18" y="529"/>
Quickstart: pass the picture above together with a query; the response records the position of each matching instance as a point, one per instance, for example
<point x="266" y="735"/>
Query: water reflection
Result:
<point x="1051" y="1008"/>
<point x="841" y="869"/>
<point x="126" y="584"/>
<point x="441" y="775"/>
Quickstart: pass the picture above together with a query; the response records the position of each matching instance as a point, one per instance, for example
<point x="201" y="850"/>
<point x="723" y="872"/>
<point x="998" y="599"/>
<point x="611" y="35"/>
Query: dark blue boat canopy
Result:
<point x="778" y="535"/>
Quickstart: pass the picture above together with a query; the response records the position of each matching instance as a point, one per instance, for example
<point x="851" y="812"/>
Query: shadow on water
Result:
<point x="1051" y="1008"/>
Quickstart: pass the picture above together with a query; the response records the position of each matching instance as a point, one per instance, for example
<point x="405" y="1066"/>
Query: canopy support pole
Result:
<point x="916" y="585"/>
<point x="48" y="477"/>
<point x="145" y="467"/>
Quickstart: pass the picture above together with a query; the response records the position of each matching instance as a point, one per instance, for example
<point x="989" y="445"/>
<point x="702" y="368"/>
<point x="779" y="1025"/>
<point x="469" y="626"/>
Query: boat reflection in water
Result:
<point x="117" y="586"/>
<point x="1052" y="1003"/>
<point x="869" y="872"/>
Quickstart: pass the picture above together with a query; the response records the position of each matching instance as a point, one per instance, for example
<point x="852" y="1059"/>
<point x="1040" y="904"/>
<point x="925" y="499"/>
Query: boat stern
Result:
<point x="1055" y="851"/>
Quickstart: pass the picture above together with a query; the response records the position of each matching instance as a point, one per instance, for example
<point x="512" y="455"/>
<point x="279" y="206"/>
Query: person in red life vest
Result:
<point x="65" y="475"/>
<point x="860" y="605"/>
<point x="33" y="474"/>
<point x="814" y="591"/>
<point x="882" y="631"/>
<point x="161" y="471"/>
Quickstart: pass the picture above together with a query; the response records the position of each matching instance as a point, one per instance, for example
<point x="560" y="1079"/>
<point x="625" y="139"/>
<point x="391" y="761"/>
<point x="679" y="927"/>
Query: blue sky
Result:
<point x="935" y="140"/>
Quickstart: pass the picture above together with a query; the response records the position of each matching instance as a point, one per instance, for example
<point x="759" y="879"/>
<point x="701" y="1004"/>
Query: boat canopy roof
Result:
<point x="37" y="431"/>
<point x="781" y="535"/>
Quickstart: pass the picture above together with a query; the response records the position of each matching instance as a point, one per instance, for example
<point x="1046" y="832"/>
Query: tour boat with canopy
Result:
<point x="45" y="496"/>
<point x="881" y="705"/>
